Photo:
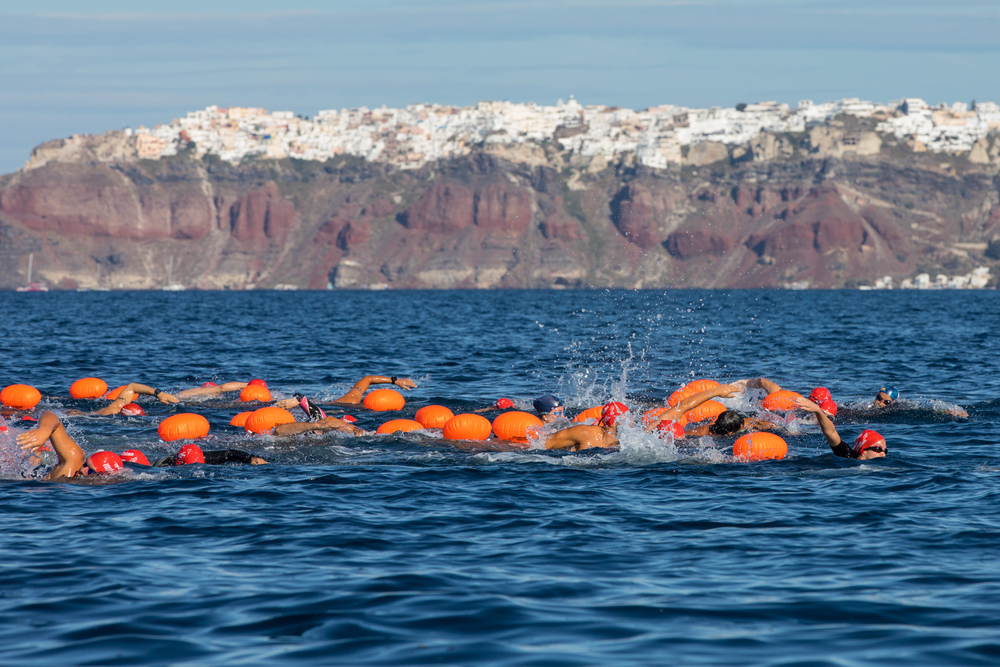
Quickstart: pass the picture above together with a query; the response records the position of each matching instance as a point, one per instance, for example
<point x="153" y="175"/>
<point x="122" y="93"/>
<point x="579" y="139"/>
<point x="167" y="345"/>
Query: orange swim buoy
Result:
<point x="20" y="396"/>
<point x="759" y="447"/>
<point x="240" y="419"/>
<point x="515" y="425"/>
<point x="255" y="392"/>
<point x="433" y="416"/>
<point x="265" y="419"/>
<point x="780" y="401"/>
<point x="589" y="413"/>
<point x="705" y="411"/>
<point x="88" y="388"/>
<point x="184" y="426"/>
<point x="115" y="393"/>
<point x="399" y="425"/>
<point x="384" y="400"/>
<point x="690" y="389"/>
<point x="468" y="427"/>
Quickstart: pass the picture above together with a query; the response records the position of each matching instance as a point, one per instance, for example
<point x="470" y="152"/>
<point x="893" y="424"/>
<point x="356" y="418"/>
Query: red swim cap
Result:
<point x="105" y="462"/>
<point x="258" y="383"/>
<point x="132" y="410"/>
<point x="670" y="426"/>
<point x="611" y="412"/>
<point x="820" y="394"/>
<point x="828" y="406"/>
<point x="868" y="438"/>
<point x="209" y="384"/>
<point x="348" y="418"/>
<point x="191" y="454"/>
<point x="26" y="418"/>
<point x="503" y="404"/>
<point x="134" y="456"/>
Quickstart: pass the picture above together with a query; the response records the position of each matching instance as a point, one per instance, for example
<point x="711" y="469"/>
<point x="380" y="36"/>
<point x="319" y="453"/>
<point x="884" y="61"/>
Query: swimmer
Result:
<point x="325" y="424"/>
<point x="71" y="459"/>
<point x="549" y="409"/>
<point x="357" y="392"/>
<point x="727" y="423"/>
<point x="211" y="389"/>
<point x="126" y="396"/>
<point x="501" y="404"/>
<point x="605" y="433"/>
<point x="868" y="445"/>
<point x="191" y="453"/>
<point x="886" y="396"/>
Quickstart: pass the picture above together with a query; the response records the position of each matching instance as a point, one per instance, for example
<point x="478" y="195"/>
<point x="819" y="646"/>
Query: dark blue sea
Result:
<point x="409" y="549"/>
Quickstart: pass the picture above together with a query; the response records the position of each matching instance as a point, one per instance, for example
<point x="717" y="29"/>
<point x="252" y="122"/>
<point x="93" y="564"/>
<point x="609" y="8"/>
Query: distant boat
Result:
<point x="32" y="287"/>
<point x="171" y="286"/>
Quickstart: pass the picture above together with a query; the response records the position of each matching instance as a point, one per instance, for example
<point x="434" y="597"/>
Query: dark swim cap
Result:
<point x="546" y="404"/>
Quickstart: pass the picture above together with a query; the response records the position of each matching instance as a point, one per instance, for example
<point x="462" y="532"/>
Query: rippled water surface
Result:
<point x="410" y="549"/>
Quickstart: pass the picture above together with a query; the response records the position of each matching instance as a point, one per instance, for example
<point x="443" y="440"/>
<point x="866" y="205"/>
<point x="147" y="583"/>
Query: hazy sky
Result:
<point x="135" y="63"/>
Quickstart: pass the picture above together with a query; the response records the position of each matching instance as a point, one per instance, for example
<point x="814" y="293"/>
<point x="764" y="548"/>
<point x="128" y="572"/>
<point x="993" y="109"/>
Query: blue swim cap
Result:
<point x="546" y="404"/>
<point x="890" y="391"/>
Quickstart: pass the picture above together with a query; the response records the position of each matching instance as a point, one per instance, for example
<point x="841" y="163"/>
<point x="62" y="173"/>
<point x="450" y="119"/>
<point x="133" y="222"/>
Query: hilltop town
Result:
<point x="658" y="137"/>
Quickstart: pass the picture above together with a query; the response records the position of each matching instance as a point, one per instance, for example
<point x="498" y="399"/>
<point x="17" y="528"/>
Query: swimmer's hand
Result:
<point x="257" y="461"/>
<point x="32" y="440"/>
<point x="406" y="383"/>
<point x="742" y="384"/>
<point x="286" y="403"/>
<point x="957" y="412"/>
<point x="727" y="390"/>
<point x="807" y="405"/>
<point x="168" y="398"/>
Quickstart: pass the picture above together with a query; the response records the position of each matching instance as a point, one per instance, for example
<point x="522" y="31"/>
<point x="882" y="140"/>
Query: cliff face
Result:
<point x="782" y="210"/>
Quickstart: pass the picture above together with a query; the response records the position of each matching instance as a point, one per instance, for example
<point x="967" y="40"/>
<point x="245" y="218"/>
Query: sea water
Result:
<point x="408" y="549"/>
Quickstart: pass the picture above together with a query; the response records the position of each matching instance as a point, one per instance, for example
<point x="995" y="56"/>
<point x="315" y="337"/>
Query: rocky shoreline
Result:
<point x="785" y="210"/>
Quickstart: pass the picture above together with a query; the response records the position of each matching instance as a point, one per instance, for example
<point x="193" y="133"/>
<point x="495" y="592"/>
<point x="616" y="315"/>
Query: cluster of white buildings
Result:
<point x="977" y="279"/>
<point x="410" y="137"/>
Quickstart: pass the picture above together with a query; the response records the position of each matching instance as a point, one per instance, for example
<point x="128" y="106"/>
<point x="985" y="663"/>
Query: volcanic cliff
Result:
<point x="835" y="207"/>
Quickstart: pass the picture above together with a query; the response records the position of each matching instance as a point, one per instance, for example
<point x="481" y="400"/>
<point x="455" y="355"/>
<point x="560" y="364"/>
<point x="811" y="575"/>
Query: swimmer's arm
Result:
<point x="765" y="384"/>
<point x="755" y="424"/>
<point x="353" y="397"/>
<point x="116" y="405"/>
<point x="691" y="402"/>
<point x="163" y="396"/>
<point x="697" y="431"/>
<point x="70" y="454"/>
<point x="286" y="403"/>
<point x="211" y="391"/>
<point x="328" y="424"/>
<point x="568" y="438"/>
<point x="829" y="430"/>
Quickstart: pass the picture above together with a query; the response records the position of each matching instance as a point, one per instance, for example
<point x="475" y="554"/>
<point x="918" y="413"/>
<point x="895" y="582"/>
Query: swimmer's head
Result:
<point x="349" y="419"/>
<point x="132" y="410"/>
<point x="886" y="396"/>
<point x="820" y="394"/>
<point x="103" y="463"/>
<point x="869" y="445"/>
<point x="190" y="454"/>
<point x="549" y="408"/>
<point x="727" y="423"/>
<point x="828" y="406"/>
<point x="669" y="426"/>
<point x="258" y="383"/>
<point x="209" y="384"/>
<point x="134" y="456"/>
<point x="611" y="412"/>
<point x="503" y="404"/>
